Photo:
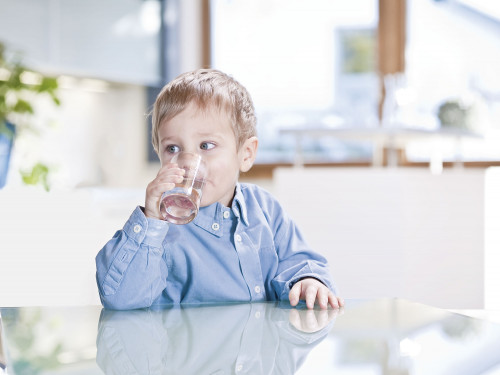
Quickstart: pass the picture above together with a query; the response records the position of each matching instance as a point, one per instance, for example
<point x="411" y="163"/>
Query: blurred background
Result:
<point x="378" y="121"/>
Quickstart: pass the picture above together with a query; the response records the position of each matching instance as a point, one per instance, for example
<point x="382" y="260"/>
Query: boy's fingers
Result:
<point x="341" y="302"/>
<point x="332" y="300"/>
<point x="294" y="294"/>
<point x="164" y="181"/>
<point x="170" y="175"/>
<point x="153" y="195"/>
<point x="166" y="167"/>
<point x="323" y="294"/>
<point x="335" y="302"/>
<point x="311" y="293"/>
<point x="156" y="190"/>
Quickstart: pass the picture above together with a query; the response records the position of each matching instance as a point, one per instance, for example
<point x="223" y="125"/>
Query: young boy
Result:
<point x="241" y="246"/>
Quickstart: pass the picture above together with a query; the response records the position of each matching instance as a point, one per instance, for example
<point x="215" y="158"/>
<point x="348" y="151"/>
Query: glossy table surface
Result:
<point x="385" y="336"/>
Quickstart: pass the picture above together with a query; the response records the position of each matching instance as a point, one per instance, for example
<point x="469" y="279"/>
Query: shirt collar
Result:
<point x="210" y="219"/>
<point x="239" y="206"/>
<point x="213" y="214"/>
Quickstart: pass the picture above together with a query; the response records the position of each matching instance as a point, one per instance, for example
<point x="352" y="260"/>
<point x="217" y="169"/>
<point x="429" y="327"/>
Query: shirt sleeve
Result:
<point x="131" y="271"/>
<point x="296" y="259"/>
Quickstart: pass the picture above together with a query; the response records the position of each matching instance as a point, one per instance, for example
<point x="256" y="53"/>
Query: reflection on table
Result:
<point x="243" y="339"/>
<point x="373" y="337"/>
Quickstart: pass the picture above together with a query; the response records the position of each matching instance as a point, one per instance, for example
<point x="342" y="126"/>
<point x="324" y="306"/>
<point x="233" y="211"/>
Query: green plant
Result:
<point x="19" y="87"/>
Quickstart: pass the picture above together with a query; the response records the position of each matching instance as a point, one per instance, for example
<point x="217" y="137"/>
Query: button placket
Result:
<point x="249" y="256"/>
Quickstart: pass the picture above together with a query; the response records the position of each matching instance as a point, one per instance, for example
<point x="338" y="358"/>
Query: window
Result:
<point x="453" y="55"/>
<point x="306" y="64"/>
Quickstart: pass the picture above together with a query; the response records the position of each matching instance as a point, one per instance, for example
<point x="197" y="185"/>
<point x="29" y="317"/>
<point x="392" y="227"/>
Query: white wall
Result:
<point x="402" y="232"/>
<point x="49" y="240"/>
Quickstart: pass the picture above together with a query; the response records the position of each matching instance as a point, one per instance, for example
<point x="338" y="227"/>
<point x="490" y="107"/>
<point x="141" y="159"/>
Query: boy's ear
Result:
<point x="247" y="153"/>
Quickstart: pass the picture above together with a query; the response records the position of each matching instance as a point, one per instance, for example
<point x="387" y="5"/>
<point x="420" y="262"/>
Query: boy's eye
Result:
<point x="172" y="149"/>
<point x="207" y="145"/>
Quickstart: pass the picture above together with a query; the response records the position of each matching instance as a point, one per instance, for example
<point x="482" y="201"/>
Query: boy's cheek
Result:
<point x="206" y="197"/>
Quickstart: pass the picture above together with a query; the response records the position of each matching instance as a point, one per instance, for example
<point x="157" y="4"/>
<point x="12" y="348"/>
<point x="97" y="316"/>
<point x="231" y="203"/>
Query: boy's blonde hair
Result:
<point x="206" y="87"/>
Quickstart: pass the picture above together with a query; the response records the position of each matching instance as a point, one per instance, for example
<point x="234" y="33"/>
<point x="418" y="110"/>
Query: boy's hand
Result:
<point x="165" y="180"/>
<point x="313" y="290"/>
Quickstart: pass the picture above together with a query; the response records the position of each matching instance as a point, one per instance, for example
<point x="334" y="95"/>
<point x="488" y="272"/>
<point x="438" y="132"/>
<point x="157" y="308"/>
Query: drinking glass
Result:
<point x="181" y="204"/>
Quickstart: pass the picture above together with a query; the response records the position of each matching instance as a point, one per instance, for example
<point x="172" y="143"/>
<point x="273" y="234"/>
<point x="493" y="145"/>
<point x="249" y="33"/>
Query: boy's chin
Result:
<point x="206" y="204"/>
<point x="208" y="201"/>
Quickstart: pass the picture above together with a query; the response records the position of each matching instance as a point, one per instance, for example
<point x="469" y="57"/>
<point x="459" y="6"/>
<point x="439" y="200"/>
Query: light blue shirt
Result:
<point x="251" y="251"/>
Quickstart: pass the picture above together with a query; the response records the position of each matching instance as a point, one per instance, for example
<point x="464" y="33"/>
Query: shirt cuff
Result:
<point x="313" y="271"/>
<point x="146" y="230"/>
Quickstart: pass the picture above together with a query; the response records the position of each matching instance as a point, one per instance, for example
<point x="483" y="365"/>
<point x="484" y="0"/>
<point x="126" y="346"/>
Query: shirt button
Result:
<point x="215" y="226"/>
<point x="239" y="368"/>
<point x="137" y="228"/>
<point x="257" y="289"/>
<point x="237" y="238"/>
<point x="226" y="214"/>
<point x="257" y="315"/>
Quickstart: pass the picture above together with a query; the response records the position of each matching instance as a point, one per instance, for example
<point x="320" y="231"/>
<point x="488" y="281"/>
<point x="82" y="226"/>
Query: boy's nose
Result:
<point x="195" y="151"/>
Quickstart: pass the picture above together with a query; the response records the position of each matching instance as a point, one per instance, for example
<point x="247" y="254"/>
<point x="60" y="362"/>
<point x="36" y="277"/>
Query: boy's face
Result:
<point x="208" y="133"/>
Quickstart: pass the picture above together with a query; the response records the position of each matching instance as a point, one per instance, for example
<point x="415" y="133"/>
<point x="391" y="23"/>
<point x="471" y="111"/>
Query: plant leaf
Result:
<point x="22" y="106"/>
<point x="38" y="175"/>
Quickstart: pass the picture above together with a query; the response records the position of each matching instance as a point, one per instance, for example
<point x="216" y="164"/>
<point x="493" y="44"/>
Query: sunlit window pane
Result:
<point x="306" y="63"/>
<point x="453" y="55"/>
